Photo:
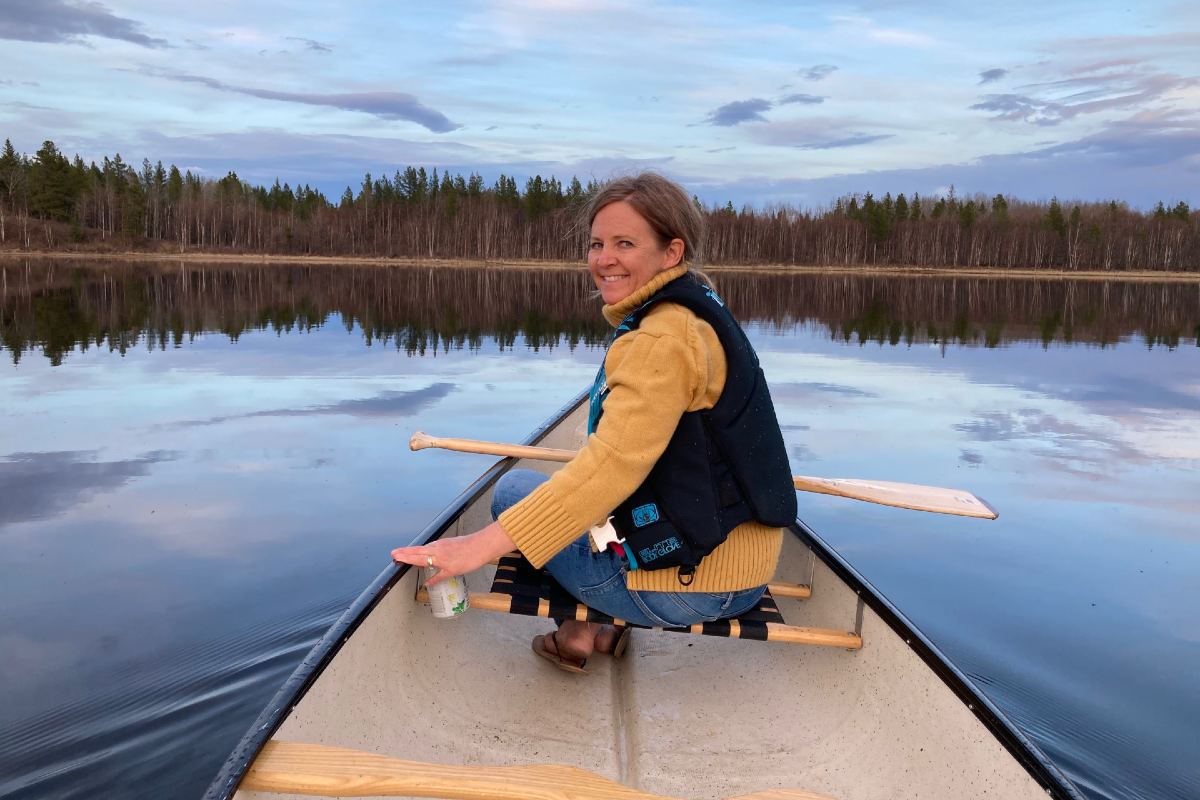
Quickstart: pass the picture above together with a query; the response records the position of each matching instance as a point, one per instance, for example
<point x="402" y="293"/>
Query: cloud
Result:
<point x="1089" y="89"/>
<point x="805" y="99"/>
<point x="901" y="38"/>
<point x="860" y="26"/>
<point x="1155" y="45"/>
<point x="992" y="75"/>
<point x="384" y="404"/>
<point x="68" y="21"/>
<point x="845" y="141"/>
<point x="385" y="105"/>
<point x="41" y="485"/>
<point x="1096" y="66"/>
<point x="1021" y="108"/>
<point x="1145" y="158"/>
<point x="815" y="134"/>
<point x="818" y="72"/>
<point x="740" y="111"/>
<point x="491" y="59"/>
<point x="311" y="44"/>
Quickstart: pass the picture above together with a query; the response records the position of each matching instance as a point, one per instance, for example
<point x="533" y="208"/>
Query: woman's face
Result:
<point x="624" y="253"/>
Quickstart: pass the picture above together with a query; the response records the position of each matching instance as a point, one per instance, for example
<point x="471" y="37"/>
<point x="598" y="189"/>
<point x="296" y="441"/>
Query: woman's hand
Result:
<point x="457" y="555"/>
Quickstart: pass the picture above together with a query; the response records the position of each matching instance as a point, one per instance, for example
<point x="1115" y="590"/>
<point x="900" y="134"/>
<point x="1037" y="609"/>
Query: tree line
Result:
<point x="50" y="201"/>
<point x="62" y="309"/>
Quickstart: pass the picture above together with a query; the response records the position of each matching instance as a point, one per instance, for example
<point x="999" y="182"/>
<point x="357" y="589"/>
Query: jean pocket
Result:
<point x="743" y="601"/>
<point x="615" y="582"/>
<point x="701" y="606"/>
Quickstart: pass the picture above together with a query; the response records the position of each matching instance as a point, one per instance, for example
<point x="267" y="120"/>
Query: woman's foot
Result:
<point x="546" y="646"/>
<point x="612" y="639"/>
<point x="574" y="642"/>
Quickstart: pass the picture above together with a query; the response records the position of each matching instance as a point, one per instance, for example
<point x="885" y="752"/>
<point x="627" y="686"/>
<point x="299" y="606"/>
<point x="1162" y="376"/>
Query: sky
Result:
<point x="757" y="103"/>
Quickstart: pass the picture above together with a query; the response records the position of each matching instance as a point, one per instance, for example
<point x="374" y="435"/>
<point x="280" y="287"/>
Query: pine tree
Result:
<point x="916" y="212"/>
<point x="51" y="193"/>
<point x="967" y="213"/>
<point x="12" y="175"/>
<point x="1054" y="218"/>
<point x="1000" y="207"/>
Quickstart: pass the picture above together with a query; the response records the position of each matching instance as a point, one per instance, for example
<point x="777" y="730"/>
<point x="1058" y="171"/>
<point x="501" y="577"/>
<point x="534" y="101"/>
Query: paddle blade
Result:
<point x="934" y="499"/>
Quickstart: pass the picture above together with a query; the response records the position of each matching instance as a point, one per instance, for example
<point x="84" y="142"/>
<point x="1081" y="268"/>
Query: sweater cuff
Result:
<point x="539" y="525"/>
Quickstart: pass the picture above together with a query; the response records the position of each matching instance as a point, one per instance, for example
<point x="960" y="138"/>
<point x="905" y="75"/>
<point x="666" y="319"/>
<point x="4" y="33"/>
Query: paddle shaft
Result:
<point x="912" y="496"/>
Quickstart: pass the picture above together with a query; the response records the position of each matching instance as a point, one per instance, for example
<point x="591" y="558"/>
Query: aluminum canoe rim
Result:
<point x="1018" y="745"/>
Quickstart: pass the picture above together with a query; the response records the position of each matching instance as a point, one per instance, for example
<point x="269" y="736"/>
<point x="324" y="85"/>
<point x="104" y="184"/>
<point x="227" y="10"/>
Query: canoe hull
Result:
<point x="686" y="716"/>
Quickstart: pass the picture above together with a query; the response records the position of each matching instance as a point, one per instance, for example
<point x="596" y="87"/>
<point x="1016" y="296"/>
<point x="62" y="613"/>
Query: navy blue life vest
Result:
<point x="723" y="466"/>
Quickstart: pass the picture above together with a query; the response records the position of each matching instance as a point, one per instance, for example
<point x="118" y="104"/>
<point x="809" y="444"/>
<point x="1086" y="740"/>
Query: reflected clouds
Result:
<point x="1085" y="450"/>
<point x="391" y="403"/>
<point x="791" y="391"/>
<point x="41" y="485"/>
<point x="1126" y="393"/>
<point x="802" y="452"/>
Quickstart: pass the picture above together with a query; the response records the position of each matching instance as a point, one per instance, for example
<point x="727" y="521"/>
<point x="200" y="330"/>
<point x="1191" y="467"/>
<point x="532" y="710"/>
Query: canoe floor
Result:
<point x="680" y="715"/>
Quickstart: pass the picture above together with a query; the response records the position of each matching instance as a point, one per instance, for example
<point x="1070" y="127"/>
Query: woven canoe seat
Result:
<point x="521" y="588"/>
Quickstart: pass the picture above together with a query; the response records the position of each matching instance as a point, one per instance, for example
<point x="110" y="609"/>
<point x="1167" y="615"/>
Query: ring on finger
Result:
<point x="429" y="561"/>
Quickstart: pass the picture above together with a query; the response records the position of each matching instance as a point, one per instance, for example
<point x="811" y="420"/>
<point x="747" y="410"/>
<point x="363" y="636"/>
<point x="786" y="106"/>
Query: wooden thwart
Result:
<point x="520" y="588"/>
<point x="323" y="771"/>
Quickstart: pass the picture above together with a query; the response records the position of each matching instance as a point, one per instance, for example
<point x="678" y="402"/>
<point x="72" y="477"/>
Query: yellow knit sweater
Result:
<point x="672" y="363"/>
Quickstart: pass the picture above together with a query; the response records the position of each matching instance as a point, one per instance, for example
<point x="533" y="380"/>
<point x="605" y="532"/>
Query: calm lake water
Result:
<point x="201" y="466"/>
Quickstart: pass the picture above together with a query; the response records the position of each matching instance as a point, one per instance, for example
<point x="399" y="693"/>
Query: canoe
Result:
<point x="394" y="702"/>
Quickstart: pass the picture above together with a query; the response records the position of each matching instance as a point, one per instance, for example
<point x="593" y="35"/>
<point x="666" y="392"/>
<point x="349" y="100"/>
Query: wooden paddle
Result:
<point x="900" y="495"/>
<point x="314" y="769"/>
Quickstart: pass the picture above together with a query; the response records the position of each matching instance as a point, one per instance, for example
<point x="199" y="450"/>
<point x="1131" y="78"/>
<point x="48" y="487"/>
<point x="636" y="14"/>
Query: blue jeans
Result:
<point x="598" y="579"/>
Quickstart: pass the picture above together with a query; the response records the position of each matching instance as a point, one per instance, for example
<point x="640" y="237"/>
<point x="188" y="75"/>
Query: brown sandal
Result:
<point x="555" y="656"/>
<point x="620" y="643"/>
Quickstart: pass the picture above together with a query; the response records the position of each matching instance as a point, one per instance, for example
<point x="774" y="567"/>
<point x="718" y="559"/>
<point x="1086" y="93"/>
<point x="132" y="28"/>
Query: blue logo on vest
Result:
<point x="716" y="299"/>
<point x="659" y="549"/>
<point x="644" y="515"/>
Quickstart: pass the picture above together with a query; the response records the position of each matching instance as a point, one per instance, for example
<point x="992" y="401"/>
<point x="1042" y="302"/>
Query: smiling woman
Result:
<point x="684" y="455"/>
<point x="625" y="252"/>
<point x="640" y="227"/>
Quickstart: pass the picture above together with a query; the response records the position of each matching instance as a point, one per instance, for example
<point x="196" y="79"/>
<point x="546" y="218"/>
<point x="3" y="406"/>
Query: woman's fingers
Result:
<point x="457" y="555"/>
<point x="418" y="556"/>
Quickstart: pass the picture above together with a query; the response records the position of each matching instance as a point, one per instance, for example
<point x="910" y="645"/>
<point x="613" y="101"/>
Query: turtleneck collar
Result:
<point x="619" y="310"/>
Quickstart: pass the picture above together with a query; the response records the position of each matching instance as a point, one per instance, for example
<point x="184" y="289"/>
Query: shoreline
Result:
<point x="459" y="263"/>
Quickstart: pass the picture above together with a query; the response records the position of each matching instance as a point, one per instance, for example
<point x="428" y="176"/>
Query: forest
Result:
<point x="49" y="201"/>
<point x="70" y="307"/>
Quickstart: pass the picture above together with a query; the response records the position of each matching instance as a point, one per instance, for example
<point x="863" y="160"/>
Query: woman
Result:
<point x="698" y="491"/>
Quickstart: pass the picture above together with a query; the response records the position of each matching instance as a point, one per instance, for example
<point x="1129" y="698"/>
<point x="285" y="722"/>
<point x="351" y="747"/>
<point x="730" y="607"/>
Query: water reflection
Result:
<point x="179" y="523"/>
<point x="57" y="306"/>
<point x="381" y="405"/>
<point x="40" y="485"/>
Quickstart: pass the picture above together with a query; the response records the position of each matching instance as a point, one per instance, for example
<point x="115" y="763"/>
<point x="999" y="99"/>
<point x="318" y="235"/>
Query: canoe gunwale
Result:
<point x="323" y="652"/>
<point x="1019" y="746"/>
